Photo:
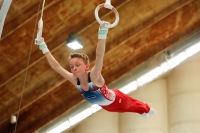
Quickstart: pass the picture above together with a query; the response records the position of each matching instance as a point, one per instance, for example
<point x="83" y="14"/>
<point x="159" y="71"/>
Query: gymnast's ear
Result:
<point x="87" y="67"/>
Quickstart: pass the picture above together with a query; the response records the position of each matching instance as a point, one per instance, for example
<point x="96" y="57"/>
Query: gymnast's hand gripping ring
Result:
<point x="40" y="26"/>
<point x="39" y="33"/>
<point x="109" y="6"/>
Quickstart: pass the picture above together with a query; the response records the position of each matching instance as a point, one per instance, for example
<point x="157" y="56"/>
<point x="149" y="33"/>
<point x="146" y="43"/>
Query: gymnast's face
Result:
<point x="78" y="67"/>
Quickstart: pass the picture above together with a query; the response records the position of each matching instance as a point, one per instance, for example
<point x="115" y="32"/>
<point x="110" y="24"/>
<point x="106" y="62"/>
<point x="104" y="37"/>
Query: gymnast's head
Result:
<point x="82" y="56"/>
<point x="79" y="62"/>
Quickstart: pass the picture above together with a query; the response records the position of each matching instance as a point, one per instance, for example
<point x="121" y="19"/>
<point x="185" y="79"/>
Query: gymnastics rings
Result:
<point x="108" y="6"/>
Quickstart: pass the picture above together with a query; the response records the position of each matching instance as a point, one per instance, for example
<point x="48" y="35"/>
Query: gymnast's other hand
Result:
<point x="104" y="25"/>
<point x="103" y="30"/>
<point x="42" y="45"/>
<point x="39" y="41"/>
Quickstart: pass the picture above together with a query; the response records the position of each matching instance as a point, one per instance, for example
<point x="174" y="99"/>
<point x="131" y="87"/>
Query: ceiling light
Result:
<point x="149" y="76"/>
<point x="165" y="67"/>
<point x="95" y="108"/>
<point x="13" y="119"/>
<point x="176" y="60"/>
<point x="129" y="87"/>
<point x="65" y="125"/>
<point x="79" y="117"/>
<point x="74" y="43"/>
<point x="193" y="49"/>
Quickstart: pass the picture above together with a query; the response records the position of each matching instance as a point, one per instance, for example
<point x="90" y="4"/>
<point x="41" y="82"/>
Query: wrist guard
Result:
<point x="43" y="47"/>
<point x="102" y="33"/>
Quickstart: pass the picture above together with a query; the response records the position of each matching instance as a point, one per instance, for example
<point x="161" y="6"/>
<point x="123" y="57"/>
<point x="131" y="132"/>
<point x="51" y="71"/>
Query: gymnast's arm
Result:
<point x="55" y="65"/>
<point x="96" y="75"/>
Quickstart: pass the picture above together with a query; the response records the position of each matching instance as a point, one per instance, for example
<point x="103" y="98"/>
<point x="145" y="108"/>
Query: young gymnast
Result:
<point x="91" y="84"/>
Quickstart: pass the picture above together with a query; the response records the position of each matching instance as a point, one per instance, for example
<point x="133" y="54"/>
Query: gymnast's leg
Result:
<point x="124" y="103"/>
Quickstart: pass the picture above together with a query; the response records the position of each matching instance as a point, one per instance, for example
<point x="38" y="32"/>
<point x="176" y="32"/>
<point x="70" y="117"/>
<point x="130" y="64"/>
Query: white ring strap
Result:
<point x="109" y="6"/>
<point x="40" y="24"/>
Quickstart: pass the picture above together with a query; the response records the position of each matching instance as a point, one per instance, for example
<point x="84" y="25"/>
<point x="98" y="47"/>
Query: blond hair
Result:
<point x="80" y="55"/>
